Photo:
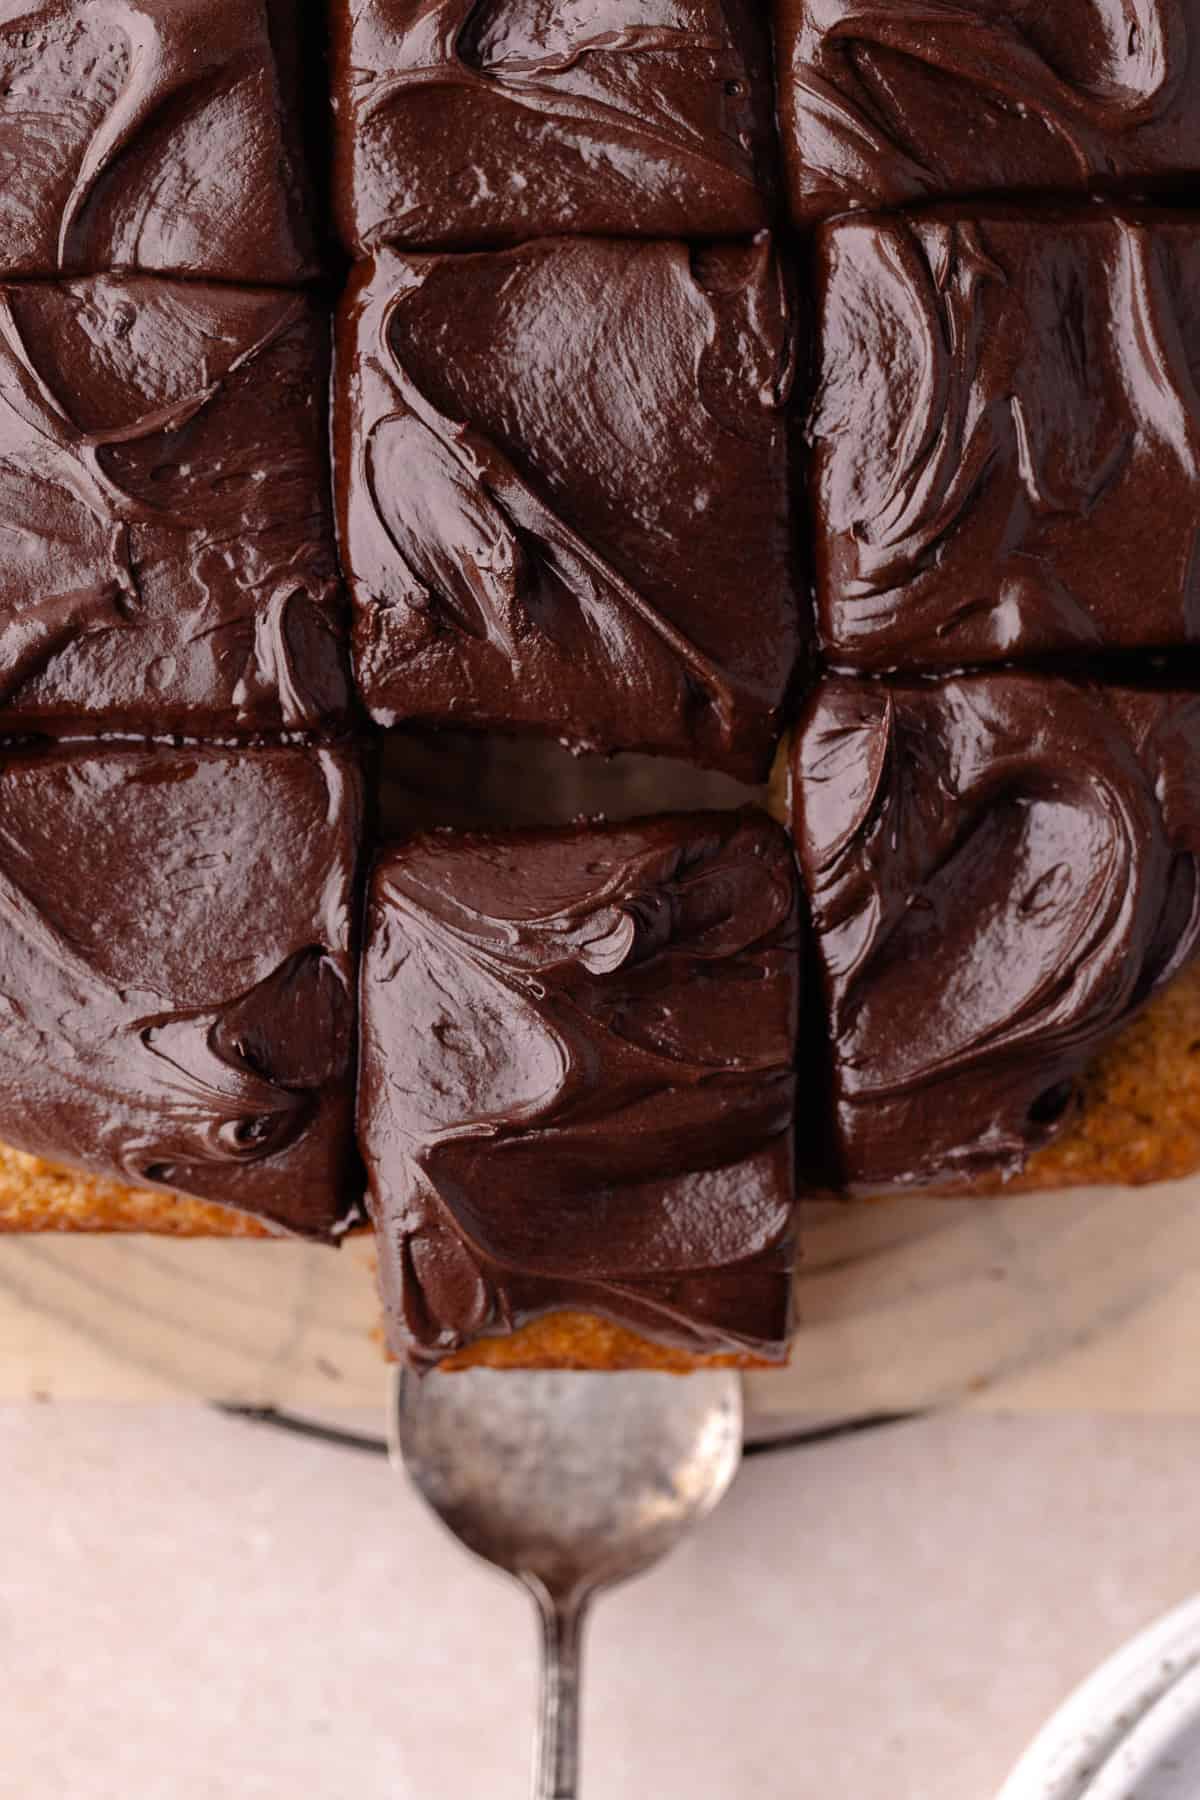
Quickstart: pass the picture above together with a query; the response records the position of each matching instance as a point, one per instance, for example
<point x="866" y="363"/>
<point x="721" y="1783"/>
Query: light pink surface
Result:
<point x="192" y="1607"/>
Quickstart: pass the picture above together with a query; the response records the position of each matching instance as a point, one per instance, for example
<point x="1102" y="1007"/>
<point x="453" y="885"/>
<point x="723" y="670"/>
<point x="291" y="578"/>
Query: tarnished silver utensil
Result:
<point x="569" y="1482"/>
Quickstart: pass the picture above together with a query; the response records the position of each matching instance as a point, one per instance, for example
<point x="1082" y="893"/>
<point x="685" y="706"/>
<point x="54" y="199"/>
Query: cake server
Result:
<point x="570" y="1483"/>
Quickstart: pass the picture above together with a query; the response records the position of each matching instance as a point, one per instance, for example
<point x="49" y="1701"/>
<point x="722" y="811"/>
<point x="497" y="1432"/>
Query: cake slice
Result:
<point x="1001" y="870"/>
<point x="578" y="1082"/>
<point x="177" y="1008"/>
<point x="469" y="126"/>
<point x="158" y="136"/>
<point x="563" y="494"/>
<point x="893" y="101"/>
<point x="1006" y="435"/>
<point x="167" y="561"/>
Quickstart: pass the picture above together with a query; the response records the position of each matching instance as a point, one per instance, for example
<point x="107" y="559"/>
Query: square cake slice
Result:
<point x="177" y="992"/>
<point x="160" y="136"/>
<point x="1001" y="869"/>
<point x="577" y="1080"/>
<point x="885" y="103"/>
<point x="464" y="126"/>
<point x="1006" y="435"/>
<point x="167" y="561"/>
<point x="563" y="502"/>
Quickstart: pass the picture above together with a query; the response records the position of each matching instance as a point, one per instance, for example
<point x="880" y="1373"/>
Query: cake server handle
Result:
<point x="556" y="1755"/>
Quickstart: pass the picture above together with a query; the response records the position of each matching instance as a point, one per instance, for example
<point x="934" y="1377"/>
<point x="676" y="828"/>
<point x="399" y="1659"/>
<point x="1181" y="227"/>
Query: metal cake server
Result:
<point x="569" y="1482"/>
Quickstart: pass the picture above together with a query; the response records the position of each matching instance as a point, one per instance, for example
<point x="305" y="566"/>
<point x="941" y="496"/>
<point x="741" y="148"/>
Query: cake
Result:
<point x="715" y="387"/>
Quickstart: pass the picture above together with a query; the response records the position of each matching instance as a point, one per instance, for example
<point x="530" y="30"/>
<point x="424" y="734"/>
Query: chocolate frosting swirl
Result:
<point x="563" y="494"/>
<point x="901" y="100"/>
<point x="174" y="146"/>
<point x="577" y="1079"/>
<point x="470" y="122"/>
<point x="1006" y="436"/>
<point x="215" y="1058"/>
<point x="1001" y="869"/>
<point x="168" y="559"/>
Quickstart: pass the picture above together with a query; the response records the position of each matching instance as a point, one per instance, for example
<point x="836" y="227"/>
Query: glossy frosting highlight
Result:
<point x="465" y="123"/>
<point x="176" y="969"/>
<point x="166" y="547"/>
<point x="577" y="1080"/>
<point x="894" y="101"/>
<point x="563" y="497"/>
<point x="160" y="136"/>
<point x="1006" y="435"/>
<point x="1001" y="870"/>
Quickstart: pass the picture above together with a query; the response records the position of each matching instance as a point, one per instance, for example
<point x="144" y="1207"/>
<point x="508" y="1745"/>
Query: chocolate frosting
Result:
<point x="1006" y="436"/>
<point x="577" y="1079"/>
<point x="562" y="479"/>
<point x="1001" y="869"/>
<point x="883" y="102"/>
<point x="461" y="123"/>
<point x="166" y="547"/>
<point x="176" y="973"/>
<point x="153" y="135"/>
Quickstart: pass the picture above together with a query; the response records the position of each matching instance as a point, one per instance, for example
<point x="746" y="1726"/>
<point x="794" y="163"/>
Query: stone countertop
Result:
<point x="197" y="1608"/>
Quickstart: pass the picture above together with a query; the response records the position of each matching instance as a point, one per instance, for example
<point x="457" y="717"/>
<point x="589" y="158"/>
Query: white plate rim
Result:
<point x="1150" y="1754"/>
<point x="1070" y="1751"/>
